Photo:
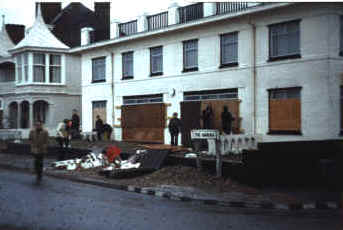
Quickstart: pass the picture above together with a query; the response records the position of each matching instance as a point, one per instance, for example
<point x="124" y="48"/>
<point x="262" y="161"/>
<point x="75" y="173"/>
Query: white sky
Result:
<point x="22" y="12"/>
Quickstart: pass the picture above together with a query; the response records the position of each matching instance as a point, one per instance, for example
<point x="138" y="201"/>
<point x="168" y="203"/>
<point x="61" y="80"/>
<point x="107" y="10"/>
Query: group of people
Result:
<point x="175" y="124"/>
<point x="102" y="128"/>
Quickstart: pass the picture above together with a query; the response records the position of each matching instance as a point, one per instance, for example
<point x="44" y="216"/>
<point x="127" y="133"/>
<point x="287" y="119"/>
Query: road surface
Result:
<point x="61" y="204"/>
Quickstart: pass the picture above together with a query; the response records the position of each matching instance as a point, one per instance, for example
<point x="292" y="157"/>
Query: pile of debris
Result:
<point x="112" y="165"/>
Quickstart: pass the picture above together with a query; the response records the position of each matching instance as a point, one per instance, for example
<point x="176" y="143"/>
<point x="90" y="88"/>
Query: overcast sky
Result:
<point x="22" y="12"/>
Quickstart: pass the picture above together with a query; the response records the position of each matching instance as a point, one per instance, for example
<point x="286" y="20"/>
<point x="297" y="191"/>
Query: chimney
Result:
<point x="173" y="13"/>
<point x="49" y="10"/>
<point x="16" y="32"/>
<point x="103" y="15"/>
<point x="86" y="36"/>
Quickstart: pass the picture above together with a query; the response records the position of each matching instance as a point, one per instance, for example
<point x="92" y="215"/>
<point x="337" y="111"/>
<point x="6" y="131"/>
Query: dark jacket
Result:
<point x="174" y="126"/>
<point x="99" y="124"/>
<point x="39" y="141"/>
<point x="75" y="121"/>
<point x="227" y="121"/>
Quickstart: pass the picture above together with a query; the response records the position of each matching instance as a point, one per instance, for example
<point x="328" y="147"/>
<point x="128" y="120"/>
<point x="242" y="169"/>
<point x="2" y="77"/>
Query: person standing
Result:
<point x="174" y="129"/>
<point x="38" y="138"/>
<point x="207" y="116"/>
<point x="62" y="138"/>
<point x="75" y="124"/>
<point x="227" y="120"/>
<point x="99" y="124"/>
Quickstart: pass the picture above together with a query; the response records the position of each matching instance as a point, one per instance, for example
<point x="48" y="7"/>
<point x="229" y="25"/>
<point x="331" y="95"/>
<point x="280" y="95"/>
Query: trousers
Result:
<point x="174" y="138"/>
<point x="38" y="164"/>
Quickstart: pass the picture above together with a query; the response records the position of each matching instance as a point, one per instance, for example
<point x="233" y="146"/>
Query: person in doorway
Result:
<point x="39" y="138"/>
<point x="207" y="116"/>
<point x="75" y="124"/>
<point x="227" y="120"/>
<point x="107" y="130"/>
<point x="99" y="125"/>
<point x="174" y="129"/>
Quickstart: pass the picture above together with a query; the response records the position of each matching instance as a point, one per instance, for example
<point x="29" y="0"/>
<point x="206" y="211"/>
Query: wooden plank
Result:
<point x="285" y="114"/>
<point x="144" y="122"/>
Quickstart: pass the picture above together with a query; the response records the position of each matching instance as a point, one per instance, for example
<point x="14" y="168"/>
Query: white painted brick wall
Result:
<point x="318" y="79"/>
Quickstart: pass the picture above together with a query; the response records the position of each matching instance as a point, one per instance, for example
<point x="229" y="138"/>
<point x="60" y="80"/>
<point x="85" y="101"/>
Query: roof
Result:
<point x="39" y="36"/>
<point x="176" y="27"/>
<point x="5" y="42"/>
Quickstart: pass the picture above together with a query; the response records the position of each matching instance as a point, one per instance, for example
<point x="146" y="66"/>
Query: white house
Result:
<point x="277" y="66"/>
<point x="38" y="79"/>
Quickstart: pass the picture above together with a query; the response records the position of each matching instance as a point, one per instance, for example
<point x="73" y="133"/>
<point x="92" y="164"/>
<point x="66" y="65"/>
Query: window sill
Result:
<point x="280" y="58"/>
<point x="98" y="81"/>
<point x="40" y="83"/>
<point x="227" y="65"/>
<point x="190" y="70"/>
<point x="284" y="132"/>
<point x="156" y="74"/>
<point x="127" y="78"/>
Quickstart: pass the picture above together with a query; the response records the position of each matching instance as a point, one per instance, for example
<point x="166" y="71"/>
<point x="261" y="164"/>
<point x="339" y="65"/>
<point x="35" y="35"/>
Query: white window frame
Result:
<point x="95" y="64"/>
<point x="52" y="66"/>
<point x="229" y="40"/>
<point x="187" y="51"/>
<point x="274" y="38"/>
<point x="39" y="65"/>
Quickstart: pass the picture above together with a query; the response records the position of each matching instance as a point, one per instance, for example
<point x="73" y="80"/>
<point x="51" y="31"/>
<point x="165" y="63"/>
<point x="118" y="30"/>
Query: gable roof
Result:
<point x="39" y="36"/>
<point x="5" y="41"/>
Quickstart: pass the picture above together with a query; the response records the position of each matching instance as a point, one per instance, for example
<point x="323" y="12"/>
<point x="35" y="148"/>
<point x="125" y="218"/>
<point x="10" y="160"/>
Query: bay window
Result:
<point x="38" y="67"/>
<point x="55" y="68"/>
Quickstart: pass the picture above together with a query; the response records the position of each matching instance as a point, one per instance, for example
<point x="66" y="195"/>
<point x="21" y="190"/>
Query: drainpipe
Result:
<point x="253" y="69"/>
<point x="112" y="87"/>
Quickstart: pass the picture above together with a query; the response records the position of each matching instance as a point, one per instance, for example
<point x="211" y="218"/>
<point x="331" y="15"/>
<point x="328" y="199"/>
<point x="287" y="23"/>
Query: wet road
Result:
<point x="59" y="204"/>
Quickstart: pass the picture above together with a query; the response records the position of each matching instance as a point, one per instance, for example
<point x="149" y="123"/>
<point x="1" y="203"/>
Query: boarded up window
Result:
<point x="99" y="108"/>
<point x="285" y="111"/>
<point x="143" y="122"/>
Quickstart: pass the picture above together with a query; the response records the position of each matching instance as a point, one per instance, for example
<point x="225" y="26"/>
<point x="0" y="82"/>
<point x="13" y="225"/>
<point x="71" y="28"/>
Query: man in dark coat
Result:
<point x="75" y="124"/>
<point x="39" y="138"/>
<point x="227" y="120"/>
<point x="207" y="116"/>
<point x="174" y="129"/>
<point x="99" y="124"/>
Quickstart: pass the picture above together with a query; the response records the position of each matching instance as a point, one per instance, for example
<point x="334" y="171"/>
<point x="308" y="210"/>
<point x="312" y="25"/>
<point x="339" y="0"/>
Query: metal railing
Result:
<point x="157" y="21"/>
<point x="127" y="28"/>
<point x="230" y="7"/>
<point x="191" y="12"/>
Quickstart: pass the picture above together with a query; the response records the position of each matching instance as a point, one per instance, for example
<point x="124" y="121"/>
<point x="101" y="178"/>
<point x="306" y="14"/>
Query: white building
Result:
<point x="39" y="79"/>
<point x="277" y="66"/>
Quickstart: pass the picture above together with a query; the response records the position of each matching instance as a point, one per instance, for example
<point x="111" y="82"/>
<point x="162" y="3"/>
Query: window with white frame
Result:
<point x="284" y="40"/>
<point x="98" y="69"/>
<point x="55" y="68"/>
<point x="38" y="67"/>
<point x="190" y="55"/>
<point x="26" y="66"/>
<point x="156" y="61"/>
<point x="127" y="62"/>
<point x="19" y="68"/>
<point x="229" y="49"/>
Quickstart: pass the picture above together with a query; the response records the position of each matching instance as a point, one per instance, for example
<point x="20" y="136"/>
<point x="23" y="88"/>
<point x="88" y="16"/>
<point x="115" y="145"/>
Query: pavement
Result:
<point x="270" y="199"/>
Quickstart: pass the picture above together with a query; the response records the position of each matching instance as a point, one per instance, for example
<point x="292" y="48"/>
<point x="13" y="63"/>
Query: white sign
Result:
<point x="204" y="134"/>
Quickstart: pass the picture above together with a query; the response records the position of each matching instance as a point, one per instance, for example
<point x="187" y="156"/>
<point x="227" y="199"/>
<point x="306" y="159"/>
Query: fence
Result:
<point x="191" y="12"/>
<point x="157" y="21"/>
<point x="127" y="28"/>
